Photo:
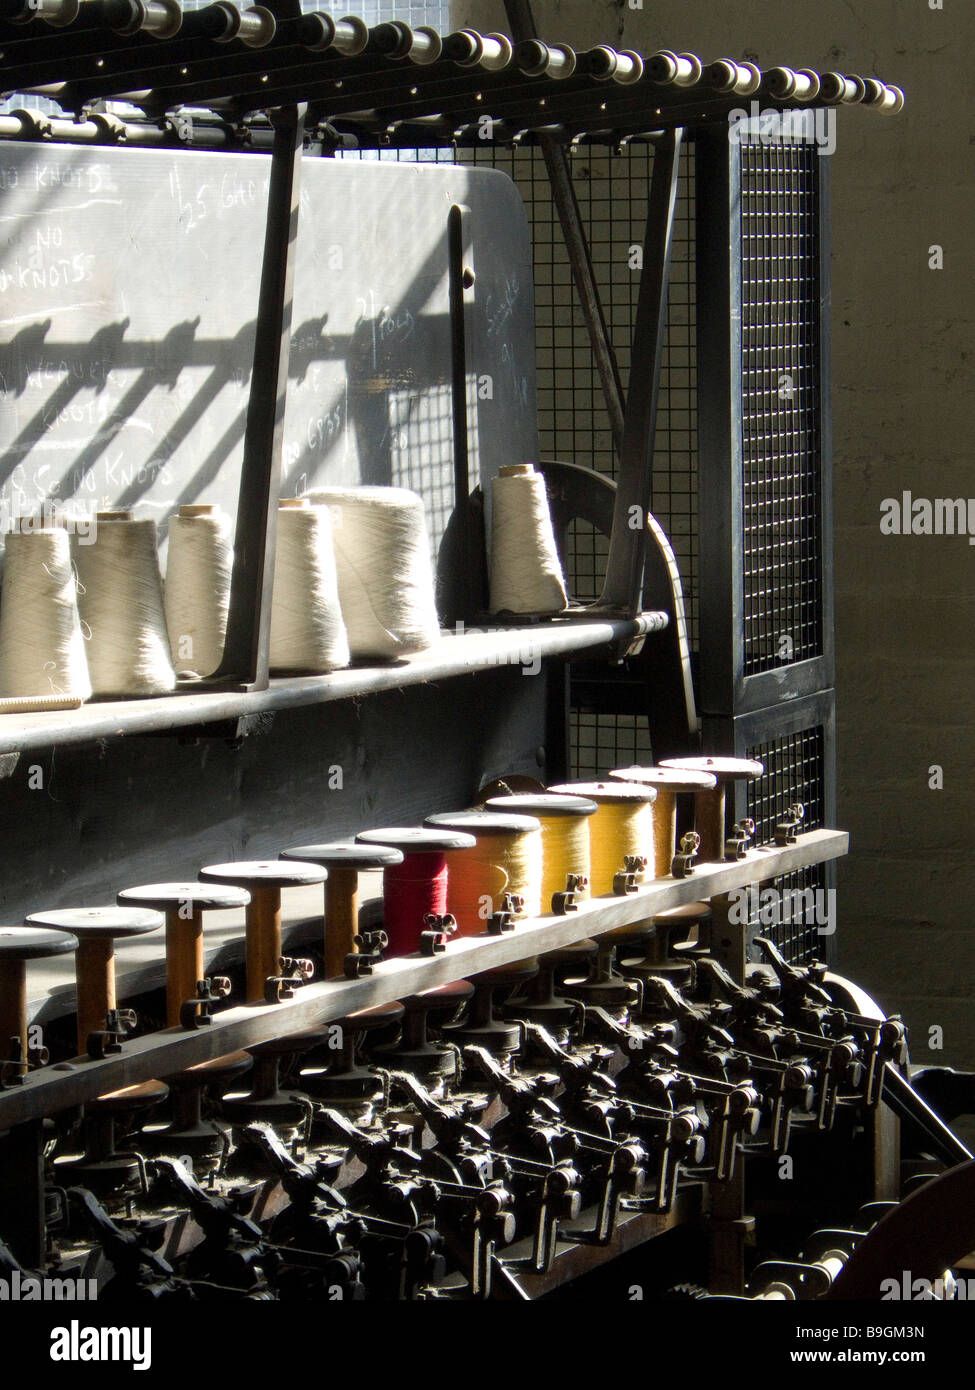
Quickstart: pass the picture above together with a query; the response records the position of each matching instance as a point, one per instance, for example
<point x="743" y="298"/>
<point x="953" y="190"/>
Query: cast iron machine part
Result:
<point x="333" y="1074"/>
<point x="266" y="1100"/>
<point x="344" y="861"/>
<point x="660" y="958"/>
<point x="264" y="880"/>
<point x="482" y="1027"/>
<point x="602" y="984"/>
<point x="102" y="1167"/>
<point x="184" y="905"/>
<point x="97" y="929"/>
<point x="434" y="1063"/>
<point x="189" y="1133"/>
<point x="709" y="803"/>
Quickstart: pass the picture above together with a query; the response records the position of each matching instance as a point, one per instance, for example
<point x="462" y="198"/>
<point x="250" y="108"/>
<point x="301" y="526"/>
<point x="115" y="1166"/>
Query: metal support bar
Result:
<point x="461" y="284"/>
<point x="905" y="1102"/>
<point x="576" y="244"/>
<point x="623" y="585"/>
<point x="245" y="658"/>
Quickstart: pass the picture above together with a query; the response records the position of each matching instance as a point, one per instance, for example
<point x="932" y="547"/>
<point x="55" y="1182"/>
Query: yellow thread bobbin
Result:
<point x="668" y="784"/>
<point x="507" y="858"/>
<point x="621" y="828"/>
<point x="564" y="822"/>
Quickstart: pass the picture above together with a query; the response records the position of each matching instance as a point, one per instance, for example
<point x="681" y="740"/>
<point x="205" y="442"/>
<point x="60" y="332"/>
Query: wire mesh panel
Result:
<point x="795" y="915"/>
<point x="781" y="477"/>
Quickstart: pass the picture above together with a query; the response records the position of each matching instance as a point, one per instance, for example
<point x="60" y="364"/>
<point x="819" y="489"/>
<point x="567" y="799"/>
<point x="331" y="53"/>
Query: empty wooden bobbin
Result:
<point x="97" y="929"/>
<point x="669" y="784"/>
<point x="18" y="945"/>
<point x="345" y="861"/>
<point x="264" y="879"/>
<point x="184" y="905"/>
<point x="102" y="1167"/>
<point x="709" y="804"/>
<point x="419" y="884"/>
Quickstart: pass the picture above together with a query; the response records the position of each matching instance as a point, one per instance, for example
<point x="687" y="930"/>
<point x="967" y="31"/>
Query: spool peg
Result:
<point x="344" y="860"/>
<point x="404" y="939"/>
<point x="18" y="945"/>
<point x="183" y="905"/>
<point x="97" y="929"/>
<point x="709" y="805"/>
<point x="264" y="880"/>
<point x="669" y="784"/>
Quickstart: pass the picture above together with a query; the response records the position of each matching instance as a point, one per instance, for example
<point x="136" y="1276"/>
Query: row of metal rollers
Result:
<point x="349" y="37"/>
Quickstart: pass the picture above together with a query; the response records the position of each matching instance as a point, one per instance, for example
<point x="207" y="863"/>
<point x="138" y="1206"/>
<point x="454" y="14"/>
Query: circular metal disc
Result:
<point x="108" y="921"/>
<point x="195" y="896"/>
<point x="31" y="943"/>
<point x="346" y="854"/>
<point x="266" y="873"/>
<point x="416" y="839"/>
<point x="608" y="791"/>
<point x="667" y="777"/>
<point x="482" y="822"/>
<point x="544" y="804"/>
<point x="725" y="769"/>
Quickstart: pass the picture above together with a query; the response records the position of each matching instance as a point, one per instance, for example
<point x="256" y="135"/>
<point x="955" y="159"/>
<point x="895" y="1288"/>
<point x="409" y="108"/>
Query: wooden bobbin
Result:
<point x="669" y="784"/>
<point x="184" y="905"/>
<point x="264" y="879"/>
<point x="102" y="1167"/>
<point x="96" y="929"/>
<point x="18" y="945"/>
<point x="344" y="860"/>
<point x="709" y="805"/>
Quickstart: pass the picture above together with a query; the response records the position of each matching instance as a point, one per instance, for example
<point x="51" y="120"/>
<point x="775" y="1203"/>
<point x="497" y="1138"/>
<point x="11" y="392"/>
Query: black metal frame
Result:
<point x="725" y="689"/>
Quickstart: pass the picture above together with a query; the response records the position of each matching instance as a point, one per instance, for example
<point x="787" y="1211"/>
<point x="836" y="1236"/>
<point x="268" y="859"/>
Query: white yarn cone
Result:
<point x="526" y="574"/>
<point x="307" y="631"/>
<point x="384" y="570"/>
<point x="197" y="591"/>
<point x="120" y="601"/>
<point x="42" y="650"/>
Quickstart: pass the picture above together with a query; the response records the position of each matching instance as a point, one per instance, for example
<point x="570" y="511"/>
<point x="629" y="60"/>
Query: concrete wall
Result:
<point x="902" y="391"/>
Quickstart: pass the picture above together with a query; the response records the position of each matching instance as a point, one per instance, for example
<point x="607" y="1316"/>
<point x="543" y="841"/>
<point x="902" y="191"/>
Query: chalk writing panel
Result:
<point x="129" y="283"/>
